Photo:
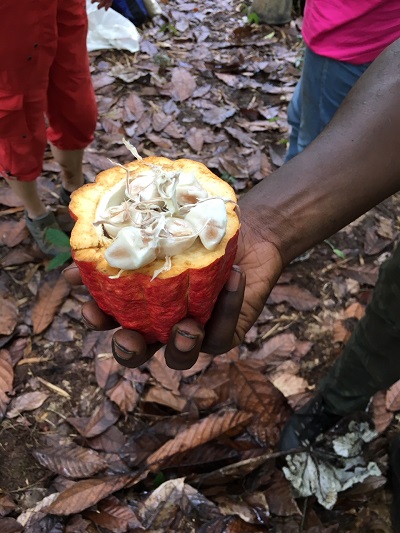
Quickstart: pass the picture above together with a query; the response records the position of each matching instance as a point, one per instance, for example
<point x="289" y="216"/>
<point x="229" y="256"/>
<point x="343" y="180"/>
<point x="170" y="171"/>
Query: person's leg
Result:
<point x="323" y="85"/>
<point x="72" y="110"/>
<point x="369" y="362"/>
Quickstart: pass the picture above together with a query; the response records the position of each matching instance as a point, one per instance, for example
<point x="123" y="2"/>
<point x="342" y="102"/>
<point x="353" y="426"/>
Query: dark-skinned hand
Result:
<point x="257" y="267"/>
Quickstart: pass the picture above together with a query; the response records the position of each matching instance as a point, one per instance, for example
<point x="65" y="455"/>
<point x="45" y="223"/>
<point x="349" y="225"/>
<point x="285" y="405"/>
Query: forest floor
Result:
<point x="88" y="446"/>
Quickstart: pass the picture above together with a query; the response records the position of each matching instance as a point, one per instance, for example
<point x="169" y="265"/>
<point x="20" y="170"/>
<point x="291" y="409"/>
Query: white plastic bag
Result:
<point x="108" y="29"/>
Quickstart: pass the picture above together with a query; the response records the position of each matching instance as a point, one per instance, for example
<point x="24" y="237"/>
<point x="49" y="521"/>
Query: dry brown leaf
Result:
<point x="365" y="274"/>
<point x="103" y="417"/>
<point x="86" y="493"/>
<point x="165" y="397"/>
<point x="252" y="508"/>
<point x="297" y="297"/>
<point x="380" y="415"/>
<point x="205" y="430"/>
<point x="340" y="332"/>
<point x="26" y="402"/>
<point x="162" y="142"/>
<point x="111" y="441"/>
<point x="289" y="384"/>
<point x="393" y="397"/>
<point x="166" y="377"/>
<point x="6" y="381"/>
<point x="355" y="310"/>
<point x="166" y="507"/>
<point x="216" y="115"/>
<point x="200" y="365"/>
<point x="203" y="397"/>
<point x="254" y="393"/>
<point x="113" y="515"/>
<point x="195" y="139"/>
<point x="281" y="347"/>
<point x="106" y="370"/>
<point x="9" y="315"/>
<point x="135" y="106"/>
<point x="97" y="342"/>
<point x="7" y="505"/>
<point x="230" y="524"/>
<point x="70" y="461"/>
<point x="13" y="232"/>
<point x="125" y="395"/>
<point x="50" y="296"/>
<point x="10" y="525"/>
<point x="280" y="497"/>
<point x="183" y="84"/>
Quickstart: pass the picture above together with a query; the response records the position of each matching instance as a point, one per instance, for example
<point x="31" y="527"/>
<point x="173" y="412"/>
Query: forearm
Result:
<point x="353" y="165"/>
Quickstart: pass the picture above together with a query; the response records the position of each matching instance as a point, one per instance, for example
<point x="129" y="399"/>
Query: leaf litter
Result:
<point x="88" y="444"/>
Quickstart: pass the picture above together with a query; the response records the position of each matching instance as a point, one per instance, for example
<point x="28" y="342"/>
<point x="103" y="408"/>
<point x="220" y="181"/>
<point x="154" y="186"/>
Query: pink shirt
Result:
<point x="356" y="31"/>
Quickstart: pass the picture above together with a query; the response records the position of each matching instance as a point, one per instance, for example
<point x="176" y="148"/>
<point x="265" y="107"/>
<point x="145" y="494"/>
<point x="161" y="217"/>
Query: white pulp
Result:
<point x="159" y="214"/>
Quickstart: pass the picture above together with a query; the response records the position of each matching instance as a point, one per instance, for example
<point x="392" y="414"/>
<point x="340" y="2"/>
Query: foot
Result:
<point x="38" y="229"/>
<point x="304" y="426"/>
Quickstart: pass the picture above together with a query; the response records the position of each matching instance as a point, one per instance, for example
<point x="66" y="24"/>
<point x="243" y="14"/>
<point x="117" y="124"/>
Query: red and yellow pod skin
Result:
<point x="189" y="289"/>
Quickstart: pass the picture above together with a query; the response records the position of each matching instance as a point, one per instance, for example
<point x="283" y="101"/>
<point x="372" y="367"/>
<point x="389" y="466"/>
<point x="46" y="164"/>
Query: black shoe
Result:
<point x="394" y="476"/>
<point x="304" y="426"/>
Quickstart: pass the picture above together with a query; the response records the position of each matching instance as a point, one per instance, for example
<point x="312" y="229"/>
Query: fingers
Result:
<point x="72" y="274"/>
<point x="220" y="329"/>
<point x="184" y="345"/>
<point x="94" y="318"/>
<point x="130" y="349"/>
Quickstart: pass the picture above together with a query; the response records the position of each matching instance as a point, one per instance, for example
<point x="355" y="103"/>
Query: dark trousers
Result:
<point x="371" y="358"/>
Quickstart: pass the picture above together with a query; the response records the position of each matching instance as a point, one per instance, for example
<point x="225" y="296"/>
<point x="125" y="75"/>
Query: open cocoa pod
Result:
<point x="155" y="241"/>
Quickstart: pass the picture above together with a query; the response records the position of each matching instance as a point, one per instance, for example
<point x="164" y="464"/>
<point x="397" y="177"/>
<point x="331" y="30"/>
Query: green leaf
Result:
<point x="336" y="251"/>
<point x="58" y="260"/>
<point x="253" y="18"/>
<point x="57" y="237"/>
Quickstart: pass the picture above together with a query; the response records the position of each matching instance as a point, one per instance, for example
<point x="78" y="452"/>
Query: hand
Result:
<point x="258" y="266"/>
<point x="103" y="3"/>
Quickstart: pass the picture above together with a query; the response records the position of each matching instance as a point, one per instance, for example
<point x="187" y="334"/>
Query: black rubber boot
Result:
<point x="304" y="426"/>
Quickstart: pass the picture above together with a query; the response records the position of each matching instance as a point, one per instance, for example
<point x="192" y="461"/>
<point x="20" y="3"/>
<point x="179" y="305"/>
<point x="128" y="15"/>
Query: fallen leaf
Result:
<point x="124" y="395"/>
<point x="111" y="441"/>
<point x="103" y="417"/>
<point x="52" y="293"/>
<point x="166" y="377"/>
<point x="134" y="103"/>
<point x="254" y="393"/>
<point x="393" y="397"/>
<point x="289" y="384"/>
<point x="113" y="515"/>
<point x="13" y="232"/>
<point x="195" y="139"/>
<point x="298" y="298"/>
<point x="252" y="509"/>
<point x="9" y="315"/>
<point x="7" y="505"/>
<point x="165" y="397"/>
<point x="183" y="84"/>
<point x="217" y="114"/>
<point x="71" y="461"/>
<point x="280" y="497"/>
<point x="26" y="402"/>
<point x="10" y="525"/>
<point x="167" y="505"/>
<point x="6" y="381"/>
<point x="205" y="430"/>
<point x="86" y="493"/>
<point x="106" y="370"/>
<point x="355" y="310"/>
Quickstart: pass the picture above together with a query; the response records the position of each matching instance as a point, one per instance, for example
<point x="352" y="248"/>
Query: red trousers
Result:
<point x="46" y="91"/>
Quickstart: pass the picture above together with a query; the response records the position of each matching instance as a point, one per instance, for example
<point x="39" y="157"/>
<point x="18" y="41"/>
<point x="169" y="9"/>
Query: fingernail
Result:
<point x="88" y="324"/>
<point x="185" y="341"/>
<point x="122" y="352"/>
<point x="232" y="285"/>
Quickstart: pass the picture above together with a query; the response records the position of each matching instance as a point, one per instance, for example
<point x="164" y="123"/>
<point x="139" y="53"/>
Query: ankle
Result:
<point x="34" y="214"/>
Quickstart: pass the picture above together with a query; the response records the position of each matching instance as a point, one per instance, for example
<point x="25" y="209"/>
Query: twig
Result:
<point x="54" y="388"/>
